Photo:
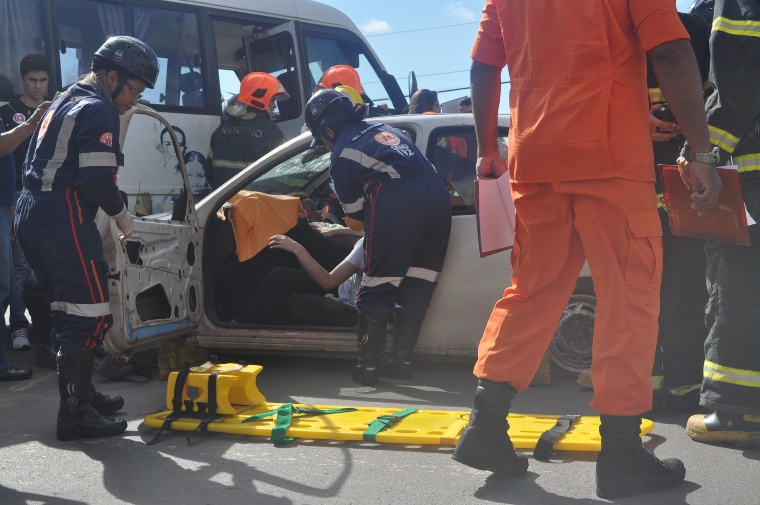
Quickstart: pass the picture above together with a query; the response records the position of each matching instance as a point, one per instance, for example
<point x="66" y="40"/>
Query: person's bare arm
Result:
<point x="485" y="81"/>
<point x="11" y="139"/>
<point x="677" y="73"/>
<point x="326" y="280"/>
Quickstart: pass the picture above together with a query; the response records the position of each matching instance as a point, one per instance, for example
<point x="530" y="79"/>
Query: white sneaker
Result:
<point x="20" y="340"/>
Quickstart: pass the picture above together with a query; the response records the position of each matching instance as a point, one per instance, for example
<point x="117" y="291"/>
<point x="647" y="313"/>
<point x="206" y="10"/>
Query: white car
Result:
<point x="178" y="274"/>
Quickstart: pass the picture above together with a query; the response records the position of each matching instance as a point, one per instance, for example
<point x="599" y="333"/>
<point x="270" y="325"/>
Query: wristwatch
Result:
<point x="711" y="157"/>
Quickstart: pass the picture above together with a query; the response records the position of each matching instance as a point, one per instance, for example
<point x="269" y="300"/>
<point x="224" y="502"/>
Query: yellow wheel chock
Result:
<point x="241" y="409"/>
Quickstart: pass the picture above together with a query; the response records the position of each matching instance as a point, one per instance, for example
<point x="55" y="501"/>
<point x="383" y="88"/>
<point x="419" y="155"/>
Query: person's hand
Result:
<point x="660" y="130"/>
<point x="38" y="113"/>
<point x="286" y="244"/>
<point x="125" y="223"/>
<point x="490" y="165"/>
<point x="703" y="180"/>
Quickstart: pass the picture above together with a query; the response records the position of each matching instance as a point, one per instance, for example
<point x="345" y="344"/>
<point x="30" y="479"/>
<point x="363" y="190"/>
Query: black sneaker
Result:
<point x="15" y="374"/>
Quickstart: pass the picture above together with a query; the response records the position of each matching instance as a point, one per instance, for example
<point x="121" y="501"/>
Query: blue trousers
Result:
<point x="61" y="242"/>
<point x="6" y="273"/>
<point x="406" y="226"/>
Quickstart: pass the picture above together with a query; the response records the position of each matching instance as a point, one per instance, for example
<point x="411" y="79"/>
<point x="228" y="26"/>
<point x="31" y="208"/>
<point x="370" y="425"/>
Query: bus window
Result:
<point x="160" y="159"/>
<point x="229" y="83"/>
<point x="22" y="34"/>
<point x="323" y="53"/>
<point x="275" y="55"/>
<point x="83" y="26"/>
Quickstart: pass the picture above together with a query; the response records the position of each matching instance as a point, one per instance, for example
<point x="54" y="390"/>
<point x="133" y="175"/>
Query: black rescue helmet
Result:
<point x="327" y="108"/>
<point x="703" y="9"/>
<point x="132" y="55"/>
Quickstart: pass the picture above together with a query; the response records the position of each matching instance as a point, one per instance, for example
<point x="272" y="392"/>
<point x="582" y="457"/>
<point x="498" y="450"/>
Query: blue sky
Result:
<point x="440" y="57"/>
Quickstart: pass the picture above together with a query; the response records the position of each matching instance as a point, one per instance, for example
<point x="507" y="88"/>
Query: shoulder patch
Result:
<point x="107" y="139"/>
<point x="46" y="119"/>
<point x="387" y="138"/>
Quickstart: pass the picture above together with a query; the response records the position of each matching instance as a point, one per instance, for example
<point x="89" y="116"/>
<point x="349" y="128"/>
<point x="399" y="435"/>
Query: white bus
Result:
<point x="204" y="48"/>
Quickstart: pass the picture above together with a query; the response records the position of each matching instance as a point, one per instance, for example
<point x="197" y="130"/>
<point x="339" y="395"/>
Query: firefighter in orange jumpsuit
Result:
<point x="580" y="160"/>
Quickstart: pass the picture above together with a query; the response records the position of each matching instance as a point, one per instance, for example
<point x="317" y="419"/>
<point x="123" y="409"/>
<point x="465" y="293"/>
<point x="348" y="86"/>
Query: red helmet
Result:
<point x="341" y="74"/>
<point x="258" y="89"/>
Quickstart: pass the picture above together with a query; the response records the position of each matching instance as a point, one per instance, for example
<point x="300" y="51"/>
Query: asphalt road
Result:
<point x="35" y="468"/>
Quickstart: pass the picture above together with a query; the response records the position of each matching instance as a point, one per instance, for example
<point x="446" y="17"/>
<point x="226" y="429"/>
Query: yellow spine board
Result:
<point x="238" y="398"/>
<point x="423" y="427"/>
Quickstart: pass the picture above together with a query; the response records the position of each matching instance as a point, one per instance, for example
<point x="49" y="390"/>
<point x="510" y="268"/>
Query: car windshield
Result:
<point x="293" y="174"/>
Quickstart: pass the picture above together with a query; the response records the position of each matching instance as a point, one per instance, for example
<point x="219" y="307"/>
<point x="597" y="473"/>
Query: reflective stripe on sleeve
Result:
<point x="723" y="139"/>
<point x="655" y="94"/>
<point x="748" y="162"/>
<point x="369" y="162"/>
<point x="82" y="309"/>
<point x="97" y="159"/>
<point x="740" y="28"/>
<point x="730" y="375"/>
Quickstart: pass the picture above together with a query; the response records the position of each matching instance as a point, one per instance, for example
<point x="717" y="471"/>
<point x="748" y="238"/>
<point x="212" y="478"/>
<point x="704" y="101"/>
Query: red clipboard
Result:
<point x="495" y="215"/>
<point x="726" y="222"/>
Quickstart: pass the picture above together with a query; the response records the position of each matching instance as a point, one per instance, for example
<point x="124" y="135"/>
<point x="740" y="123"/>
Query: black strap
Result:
<point x="207" y="411"/>
<point x="176" y="412"/>
<point x="383" y="422"/>
<point x="545" y="444"/>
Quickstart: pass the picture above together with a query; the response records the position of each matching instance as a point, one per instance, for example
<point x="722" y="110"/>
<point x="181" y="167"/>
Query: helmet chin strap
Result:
<point x="118" y="89"/>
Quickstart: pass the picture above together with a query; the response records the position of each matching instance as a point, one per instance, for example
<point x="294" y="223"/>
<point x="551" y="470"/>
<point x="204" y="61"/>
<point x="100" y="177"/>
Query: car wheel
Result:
<point x="571" y="346"/>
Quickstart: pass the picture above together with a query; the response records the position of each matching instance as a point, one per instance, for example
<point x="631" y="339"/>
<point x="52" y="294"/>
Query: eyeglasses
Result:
<point x="134" y="91"/>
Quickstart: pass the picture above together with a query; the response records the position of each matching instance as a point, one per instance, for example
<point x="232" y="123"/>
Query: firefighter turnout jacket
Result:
<point x="238" y="142"/>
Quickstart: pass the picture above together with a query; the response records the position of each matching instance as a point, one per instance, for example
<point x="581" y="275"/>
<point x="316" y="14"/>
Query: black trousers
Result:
<point x="683" y="297"/>
<point x="732" y="351"/>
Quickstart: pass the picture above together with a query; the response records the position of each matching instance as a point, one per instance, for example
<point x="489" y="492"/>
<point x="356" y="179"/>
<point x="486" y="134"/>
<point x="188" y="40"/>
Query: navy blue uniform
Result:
<point x="69" y="172"/>
<point x="382" y="179"/>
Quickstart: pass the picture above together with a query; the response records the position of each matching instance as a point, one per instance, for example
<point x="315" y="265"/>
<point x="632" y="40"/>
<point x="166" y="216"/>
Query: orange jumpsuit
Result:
<point x="580" y="160"/>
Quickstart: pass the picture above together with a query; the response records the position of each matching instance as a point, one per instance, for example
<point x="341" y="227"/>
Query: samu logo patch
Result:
<point x="107" y="139"/>
<point x="387" y="138"/>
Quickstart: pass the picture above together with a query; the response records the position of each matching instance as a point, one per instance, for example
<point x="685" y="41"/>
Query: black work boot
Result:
<point x="625" y="468"/>
<point x="371" y="345"/>
<point x="484" y="443"/>
<point x="76" y="416"/>
<point x="105" y="404"/>
<point x="406" y="331"/>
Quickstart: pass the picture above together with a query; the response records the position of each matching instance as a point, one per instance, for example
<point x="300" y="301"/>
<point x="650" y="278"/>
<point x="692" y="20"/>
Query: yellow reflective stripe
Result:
<point x="741" y="28"/>
<point x="658" y="382"/>
<point x="230" y="164"/>
<point x="730" y="375"/>
<point x="660" y="202"/>
<point x="748" y="162"/>
<point x="684" y="390"/>
<point x="655" y="94"/>
<point x="723" y="139"/>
